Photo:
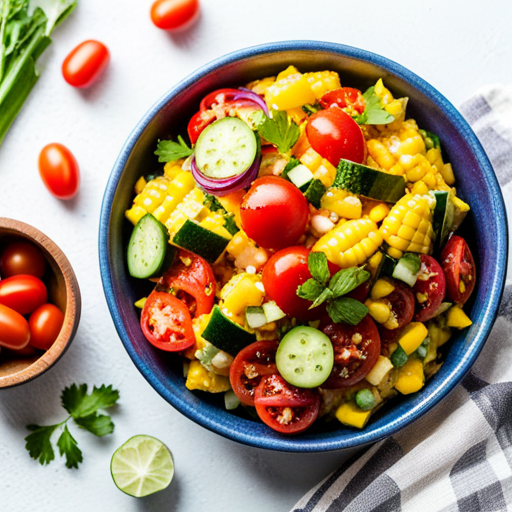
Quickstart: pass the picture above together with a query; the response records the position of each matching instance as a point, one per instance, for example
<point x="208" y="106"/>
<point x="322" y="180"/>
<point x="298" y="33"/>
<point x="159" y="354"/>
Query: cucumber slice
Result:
<point x="314" y="192"/>
<point x="142" y="466"/>
<point x="226" y="148"/>
<point x="255" y="317"/>
<point x="289" y="166"/>
<point x="365" y="181"/>
<point x="300" y="176"/>
<point x="272" y="311"/>
<point x="148" y="249"/>
<point x="231" y="401"/>
<point x="443" y="215"/>
<point x="225" y="334"/>
<point x="305" y="357"/>
<point x="201" y="241"/>
<point x="407" y="268"/>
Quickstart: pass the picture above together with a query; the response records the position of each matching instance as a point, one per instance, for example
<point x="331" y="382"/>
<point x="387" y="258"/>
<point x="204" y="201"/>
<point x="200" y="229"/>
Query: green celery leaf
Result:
<point x="325" y="295"/>
<point x="345" y="309"/>
<point x="318" y="266"/>
<point x="56" y="11"/>
<point x="98" y="424"/>
<point x="80" y="404"/>
<point x="39" y="445"/>
<point x="69" y="447"/>
<point x="310" y="290"/>
<point x="347" y="280"/>
<point x="169" y="151"/>
<point x="279" y="129"/>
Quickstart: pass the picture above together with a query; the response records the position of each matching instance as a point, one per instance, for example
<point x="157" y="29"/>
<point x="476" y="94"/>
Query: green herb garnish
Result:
<point x="374" y="111"/>
<point x="169" y="151"/>
<point x="278" y="129"/>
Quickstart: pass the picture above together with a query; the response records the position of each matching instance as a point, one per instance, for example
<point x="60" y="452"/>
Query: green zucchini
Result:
<point x="386" y="267"/>
<point x="255" y="317"/>
<point x="443" y="215"/>
<point x="407" y="268"/>
<point x="314" y="192"/>
<point x="300" y="176"/>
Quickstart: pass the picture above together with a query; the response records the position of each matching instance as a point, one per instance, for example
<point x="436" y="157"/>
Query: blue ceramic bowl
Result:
<point x="476" y="183"/>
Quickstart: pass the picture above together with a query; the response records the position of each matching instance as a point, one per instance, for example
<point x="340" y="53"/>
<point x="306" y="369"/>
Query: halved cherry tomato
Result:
<point x="346" y="97"/>
<point x="14" y="331"/>
<point x="429" y="289"/>
<point x="459" y="268"/>
<point x="166" y="322"/>
<point x="198" y="123"/>
<point x="59" y="170"/>
<point x="174" y="14"/>
<point x="361" y="292"/>
<point x="191" y="279"/>
<point x="356" y="350"/>
<point x="285" y="408"/>
<point x="274" y="212"/>
<point x="335" y="135"/>
<point x="85" y="64"/>
<point x="23" y="293"/>
<point x="251" y="364"/>
<point x="45" y="324"/>
<point x="22" y="258"/>
<point x="401" y="303"/>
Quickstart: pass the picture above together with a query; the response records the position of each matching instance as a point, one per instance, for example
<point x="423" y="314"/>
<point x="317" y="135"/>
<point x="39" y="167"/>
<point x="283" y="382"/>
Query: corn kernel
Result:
<point x="379" y="212"/>
<point x="342" y="203"/>
<point x="381" y="288"/>
<point x="379" y="311"/>
<point x="139" y="186"/>
<point x="395" y="253"/>
<point x="135" y="213"/>
<point x="200" y="378"/>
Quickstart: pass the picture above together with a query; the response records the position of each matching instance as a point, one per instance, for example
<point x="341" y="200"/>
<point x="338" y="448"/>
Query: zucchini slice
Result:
<point x="314" y="192"/>
<point x="443" y="215"/>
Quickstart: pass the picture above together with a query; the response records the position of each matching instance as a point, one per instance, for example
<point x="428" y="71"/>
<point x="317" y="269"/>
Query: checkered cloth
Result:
<point x="458" y="457"/>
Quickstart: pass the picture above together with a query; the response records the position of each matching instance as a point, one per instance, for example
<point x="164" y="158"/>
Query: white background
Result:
<point x="457" y="46"/>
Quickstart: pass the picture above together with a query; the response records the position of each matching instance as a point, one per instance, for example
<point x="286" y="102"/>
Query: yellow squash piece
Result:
<point x="412" y="336"/>
<point x="350" y="414"/>
<point x="200" y="378"/>
<point x="291" y="91"/>
<point x="410" y="377"/>
<point x="457" y="318"/>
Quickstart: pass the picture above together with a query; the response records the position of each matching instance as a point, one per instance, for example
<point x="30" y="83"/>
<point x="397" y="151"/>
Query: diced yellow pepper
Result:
<point x="410" y="377"/>
<point x="437" y="334"/>
<point x="342" y="203"/>
<point x="412" y="336"/>
<point x="200" y="378"/>
<point x="241" y="291"/>
<point x="381" y="288"/>
<point x="457" y="318"/>
<point x="350" y="414"/>
<point x="289" y="92"/>
<point x="377" y="374"/>
<point x="140" y="303"/>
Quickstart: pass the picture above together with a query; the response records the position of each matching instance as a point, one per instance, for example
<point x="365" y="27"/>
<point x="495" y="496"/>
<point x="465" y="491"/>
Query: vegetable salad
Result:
<point x="302" y="250"/>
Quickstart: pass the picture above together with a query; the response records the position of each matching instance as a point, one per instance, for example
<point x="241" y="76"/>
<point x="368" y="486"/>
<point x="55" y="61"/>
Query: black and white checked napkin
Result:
<point x="458" y="457"/>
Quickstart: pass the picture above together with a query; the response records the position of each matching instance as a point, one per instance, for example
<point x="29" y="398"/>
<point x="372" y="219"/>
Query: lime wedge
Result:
<point x="141" y="466"/>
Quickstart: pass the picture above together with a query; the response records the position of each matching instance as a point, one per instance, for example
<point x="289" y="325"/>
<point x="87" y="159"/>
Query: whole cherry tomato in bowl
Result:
<point x="22" y="258"/>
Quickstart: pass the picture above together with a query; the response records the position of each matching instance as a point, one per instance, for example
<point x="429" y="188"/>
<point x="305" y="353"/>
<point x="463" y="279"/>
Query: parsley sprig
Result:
<point x="322" y="287"/>
<point x="84" y="409"/>
<point x="374" y="112"/>
<point x="278" y="129"/>
<point x="169" y="151"/>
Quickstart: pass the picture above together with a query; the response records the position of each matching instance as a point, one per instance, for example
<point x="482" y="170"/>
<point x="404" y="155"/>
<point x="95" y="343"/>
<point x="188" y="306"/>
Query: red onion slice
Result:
<point x="252" y="96"/>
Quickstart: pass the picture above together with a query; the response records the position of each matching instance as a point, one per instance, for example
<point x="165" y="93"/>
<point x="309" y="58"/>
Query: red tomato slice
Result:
<point x="191" y="280"/>
<point x="274" y="213"/>
<point x="22" y="258"/>
<point x="198" y="123"/>
<point x="251" y="364"/>
<point x="285" y="408"/>
<point x="346" y="97"/>
<point x="166" y="322"/>
<point x="174" y="14"/>
<point x="45" y="324"/>
<point x="356" y="350"/>
<point x="23" y="293"/>
<point x="85" y="64"/>
<point x="335" y="135"/>
<point x="14" y="331"/>
<point x="59" y="171"/>
<point x="459" y="268"/>
<point x="429" y="289"/>
<point x="401" y="302"/>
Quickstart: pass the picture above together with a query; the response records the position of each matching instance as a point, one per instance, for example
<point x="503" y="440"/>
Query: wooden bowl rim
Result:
<point x="73" y="303"/>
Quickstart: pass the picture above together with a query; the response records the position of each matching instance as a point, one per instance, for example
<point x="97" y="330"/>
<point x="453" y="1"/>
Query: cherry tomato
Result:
<point x="335" y="135"/>
<point x="85" y="64"/>
<point x="166" y="322"/>
<point x="429" y="289"/>
<point x="346" y="97"/>
<point x="59" y="170"/>
<point x="22" y="258"/>
<point x="198" y="123"/>
<point x="14" y="331"/>
<point x="27" y="351"/>
<point x="274" y="212"/>
<point x="45" y="324"/>
<point x="191" y="280"/>
<point x="356" y="350"/>
<point x="459" y="268"/>
<point x="361" y="292"/>
<point x="23" y="293"/>
<point x="401" y="303"/>
<point x="283" y="273"/>
<point x="174" y="14"/>
<point x="251" y="364"/>
<point x="285" y="408"/>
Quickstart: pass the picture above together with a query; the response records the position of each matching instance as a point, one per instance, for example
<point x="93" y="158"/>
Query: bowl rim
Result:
<point x="73" y="303"/>
<point x="434" y="396"/>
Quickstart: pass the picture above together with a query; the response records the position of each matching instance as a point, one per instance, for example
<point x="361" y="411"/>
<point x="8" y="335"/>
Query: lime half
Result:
<point x="141" y="466"/>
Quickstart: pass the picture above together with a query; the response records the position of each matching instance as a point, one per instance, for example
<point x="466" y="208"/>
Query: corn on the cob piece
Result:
<point x="192" y="207"/>
<point x="291" y="91"/>
<point x="215" y="222"/>
<point x="321" y="168"/>
<point x="343" y="203"/>
<point x="350" y="243"/>
<point x="322" y="82"/>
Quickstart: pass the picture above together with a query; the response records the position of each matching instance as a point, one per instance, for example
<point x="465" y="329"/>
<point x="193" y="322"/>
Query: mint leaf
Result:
<point x="325" y="295"/>
<point x="169" y="151"/>
<point x="347" y="280"/>
<point x="279" y="129"/>
<point x="374" y="111"/>
<point x="38" y="443"/>
<point x="68" y="447"/>
<point x="318" y="266"/>
<point x="310" y="290"/>
<point x="345" y="309"/>
<point x="98" y="424"/>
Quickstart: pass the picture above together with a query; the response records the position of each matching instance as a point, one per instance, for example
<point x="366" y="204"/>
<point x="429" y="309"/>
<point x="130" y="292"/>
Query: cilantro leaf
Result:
<point x="38" y="443"/>
<point x="98" y="424"/>
<point x="68" y="447"/>
<point x="72" y="396"/>
<point x="317" y="264"/>
<point x="80" y="404"/>
<point x="310" y="290"/>
<point x="325" y="295"/>
<point x="374" y="111"/>
<point x="347" y="280"/>
<point x="345" y="309"/>
<point x="169" y="151"/>
<point x="279" y="129"/>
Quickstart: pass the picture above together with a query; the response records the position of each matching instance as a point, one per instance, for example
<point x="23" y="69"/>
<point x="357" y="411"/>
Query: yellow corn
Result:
<point x="384" y="94"/>
<point x="379" y="311"/>
<point x="200" y="378"/>
<point x="135" y="213"/>
<point x="291" y="91"/>
<point x="412" y="337"/>
<point x="350" y="414"/>
<point x="342" y="203"/>
<point x="198" y="325"/>
<point x="296" y="114"/>
<point x="261" y="86"/>
<point x="238" y="244"/>
<point x="410" y="377"/>
<point x="139" y="186"/>
<point x="381" y="288"/>
<point x="290" y="70"/>
<point x="321" y="168"/>
<point x="457" y="318"/>
<point x="378" y="373"/>
<point x="215" y="222"/>
<point x="192" y="207"/>
<point x="447" y="173"/>
<point x="408" y="227"/>
<point x="380" y="153"/>
<point x="241" y="291"/>
<point x="153" y="194"/>
<point x="350" y="243"/>
<point x="322" y="82"/>
<point x="379" y="212"/>
<point x="172" y="169"/>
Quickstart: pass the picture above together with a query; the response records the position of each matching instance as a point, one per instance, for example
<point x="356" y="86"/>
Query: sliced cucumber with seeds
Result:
<point x="226" y="148"/>
<point x="305" y="357"/>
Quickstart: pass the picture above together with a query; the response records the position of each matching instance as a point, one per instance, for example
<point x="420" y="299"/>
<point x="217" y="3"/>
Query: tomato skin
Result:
<point x="14" y="331"/>
<point x="59" y="170"/>
<point x="174" y="14"/>
<point x="198" y="123"/>
<point x="45" y="324"/>
<point x="459" y="267"/>
<point x="85" y="64"/>
<point x="273" y="395"/>
<point x="23" y="293"/>
<point x="349" y="370"/>
<point x="258" y="360"/>
<point x="335" y="135"/>
<point x="433" y="288"/>
<point x="401" y="302"/>
<point x="22" y="258"/>
<point x="195" y="279"/>
<point x="274" y="213"/>
<point x="166" y="322"/>
<point x="343" y="98"/>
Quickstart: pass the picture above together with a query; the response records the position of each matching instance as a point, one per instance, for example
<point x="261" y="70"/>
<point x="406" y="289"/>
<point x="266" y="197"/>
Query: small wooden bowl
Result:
<point x="63" y="291"/>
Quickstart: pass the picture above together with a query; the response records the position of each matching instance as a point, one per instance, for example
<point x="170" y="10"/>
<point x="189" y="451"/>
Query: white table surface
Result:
<point x="457" y="46"/>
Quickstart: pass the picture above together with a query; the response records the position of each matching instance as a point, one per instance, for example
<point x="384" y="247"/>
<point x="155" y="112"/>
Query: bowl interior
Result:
<point x="63" y="291"/>
<point x="476" y="183"/>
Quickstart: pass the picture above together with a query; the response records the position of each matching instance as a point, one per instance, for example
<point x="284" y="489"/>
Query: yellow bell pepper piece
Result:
<point x="457" y="318"/>
<point x="412" y="336"/>
<point x="289" y="92"/>
<point x="200" y="378"/>
<point x="410" y="377"/>
<point x="350" y="414"/>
